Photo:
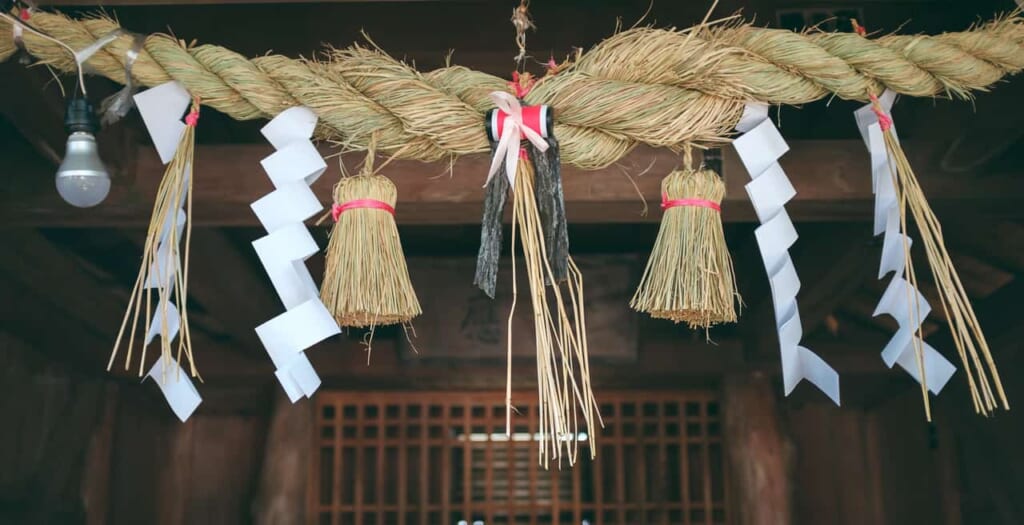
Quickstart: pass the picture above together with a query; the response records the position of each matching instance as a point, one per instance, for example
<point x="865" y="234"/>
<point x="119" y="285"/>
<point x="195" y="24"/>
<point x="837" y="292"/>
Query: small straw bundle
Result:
<point x="162" y="266"/>
<point x="366" y="281"/>
<point x="963" y="324"/>
<point x="689" y="276"/>
<point x="563" y="364"/>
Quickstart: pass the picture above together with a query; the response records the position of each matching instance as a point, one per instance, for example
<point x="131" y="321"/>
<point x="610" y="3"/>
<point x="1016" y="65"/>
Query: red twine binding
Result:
<point x="338" y="209"/>
<point x="192" y="118"/>
<point x="521" y="86"/>
<point x="666" y="203"/>
<point x="884" y="121"/>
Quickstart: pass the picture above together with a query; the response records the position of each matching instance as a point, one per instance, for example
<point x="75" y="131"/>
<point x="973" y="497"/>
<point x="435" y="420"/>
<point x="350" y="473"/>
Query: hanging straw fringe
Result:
<point x="691" y="85"/>
<point x="963" y="324"/>
<point x="689" y="276"/>
<point x="563" y="363"/>
<point x="366" y="281"/>
<point x="162" y="254"/>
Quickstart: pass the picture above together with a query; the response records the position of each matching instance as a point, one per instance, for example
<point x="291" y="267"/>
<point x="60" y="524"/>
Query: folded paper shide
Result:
<point x="292" y="168"/>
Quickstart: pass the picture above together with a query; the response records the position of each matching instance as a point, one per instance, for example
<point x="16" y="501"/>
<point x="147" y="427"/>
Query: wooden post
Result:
<point x="282" y="493"/>
<point x="96" y="478"/>
<point x="760" y="455"/>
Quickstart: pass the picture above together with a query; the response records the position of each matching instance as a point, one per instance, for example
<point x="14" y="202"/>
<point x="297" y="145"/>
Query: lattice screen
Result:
<point x="440" y="458"/>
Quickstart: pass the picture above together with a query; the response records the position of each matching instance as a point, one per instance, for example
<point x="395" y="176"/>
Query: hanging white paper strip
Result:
<point x="283" y="251"/>
<point x="176" y="386"/>
<point x="760" y="147"/>
<point x="901" y="301"/>
<point x="162" y="108"/>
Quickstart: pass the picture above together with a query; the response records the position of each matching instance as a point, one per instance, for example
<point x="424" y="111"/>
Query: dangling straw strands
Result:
<point x="162" y="261"/>
<point x="563" y="364"/>
<point x="689" y="276"/>
<point x="366" y="281"/>
<point x="963" y="324"/>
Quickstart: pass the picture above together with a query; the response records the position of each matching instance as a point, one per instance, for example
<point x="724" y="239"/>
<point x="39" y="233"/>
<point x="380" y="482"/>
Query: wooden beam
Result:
<point x="831" y="177"/>
<point x="64" y="310"/>
<point x="760" y="454"/>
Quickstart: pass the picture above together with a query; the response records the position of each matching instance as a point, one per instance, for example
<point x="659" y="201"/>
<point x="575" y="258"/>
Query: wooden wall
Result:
<point x="75" y="449"/>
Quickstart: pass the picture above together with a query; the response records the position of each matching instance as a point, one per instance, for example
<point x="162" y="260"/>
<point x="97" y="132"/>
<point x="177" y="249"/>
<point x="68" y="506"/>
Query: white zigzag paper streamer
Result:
<point x="900" y="297"/>
<point x="283" y="251"/>
<point x="162" y="108"/>
<point x="760" y="147"/>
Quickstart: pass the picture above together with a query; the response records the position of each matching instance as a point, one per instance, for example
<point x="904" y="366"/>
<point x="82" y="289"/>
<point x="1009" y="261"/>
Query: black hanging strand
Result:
<point x="551" y="206"/>
<point x="486" y="277"/>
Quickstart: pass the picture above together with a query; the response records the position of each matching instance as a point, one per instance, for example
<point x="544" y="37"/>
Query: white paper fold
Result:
<point x="162" y="108"/>
<point x="283" y="251"/>
<point x="176" y="386"/>
<point x="760" y="148"/>
<point x="900" y="300"/>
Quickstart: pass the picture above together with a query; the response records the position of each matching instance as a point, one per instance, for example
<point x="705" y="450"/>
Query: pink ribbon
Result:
<point x="666" y="203"/>
<point x="338" y="209"/>
<point x="512" y="134"/>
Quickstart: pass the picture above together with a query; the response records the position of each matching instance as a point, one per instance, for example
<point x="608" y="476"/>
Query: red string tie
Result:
<point x="884" y="121"/>
<point x="373" y="204"/>
<point x="666" y="203"/>
<point x="192" y="119"/>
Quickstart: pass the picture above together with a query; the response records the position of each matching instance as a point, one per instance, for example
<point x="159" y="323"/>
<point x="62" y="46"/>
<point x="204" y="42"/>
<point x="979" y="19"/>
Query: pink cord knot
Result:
<point x="192" y="118"/>
<point x="884" y="121"/>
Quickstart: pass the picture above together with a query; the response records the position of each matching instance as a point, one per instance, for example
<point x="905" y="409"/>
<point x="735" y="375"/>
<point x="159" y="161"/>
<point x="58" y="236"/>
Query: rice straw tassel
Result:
<point x="366" y="280"/>
<point x="689" y="276"/>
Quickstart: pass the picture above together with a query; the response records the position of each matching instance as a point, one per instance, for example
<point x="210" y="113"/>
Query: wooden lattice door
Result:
<point x="443" y="458"/>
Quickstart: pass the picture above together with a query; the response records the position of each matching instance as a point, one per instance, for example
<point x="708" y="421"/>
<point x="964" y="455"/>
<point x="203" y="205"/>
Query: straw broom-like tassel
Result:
<point x="963" y="324"/>
<point x="366" y="280"/>
<point x="563" y="369"/>
<point x="171" y="270"/>
<point x="689" y="276"/>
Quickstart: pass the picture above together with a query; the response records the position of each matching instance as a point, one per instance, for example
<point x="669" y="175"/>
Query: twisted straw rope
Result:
<point x="653" y="86"/>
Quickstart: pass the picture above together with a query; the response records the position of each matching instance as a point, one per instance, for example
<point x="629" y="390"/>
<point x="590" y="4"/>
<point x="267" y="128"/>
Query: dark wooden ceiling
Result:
<point x="66" y="273"/>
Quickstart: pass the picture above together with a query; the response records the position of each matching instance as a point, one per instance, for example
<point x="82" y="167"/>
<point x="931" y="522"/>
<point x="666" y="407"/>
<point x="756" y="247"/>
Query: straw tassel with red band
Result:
<point x="689" y="276"/>
<point x="366" y="280"/>
<point x="531" y="170"/>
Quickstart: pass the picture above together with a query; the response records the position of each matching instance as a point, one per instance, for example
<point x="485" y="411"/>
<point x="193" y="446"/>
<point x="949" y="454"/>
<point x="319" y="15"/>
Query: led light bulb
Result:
<point x="82" y="179"/>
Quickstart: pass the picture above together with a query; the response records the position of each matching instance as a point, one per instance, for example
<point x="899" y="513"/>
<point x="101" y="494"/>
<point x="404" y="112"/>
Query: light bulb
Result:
<point x="82" y="180"/>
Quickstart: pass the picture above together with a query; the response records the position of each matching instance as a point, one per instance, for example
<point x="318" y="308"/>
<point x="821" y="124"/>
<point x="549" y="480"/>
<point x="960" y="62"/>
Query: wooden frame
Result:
<point x="375" y="454"/>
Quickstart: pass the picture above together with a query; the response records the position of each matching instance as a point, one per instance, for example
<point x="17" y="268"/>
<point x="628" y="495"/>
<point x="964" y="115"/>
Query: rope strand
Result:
<point x="690" y="87"/>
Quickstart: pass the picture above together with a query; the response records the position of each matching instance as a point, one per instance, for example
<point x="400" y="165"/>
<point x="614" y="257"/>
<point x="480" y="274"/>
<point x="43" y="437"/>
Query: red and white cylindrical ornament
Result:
<point x="538" y="118"/>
